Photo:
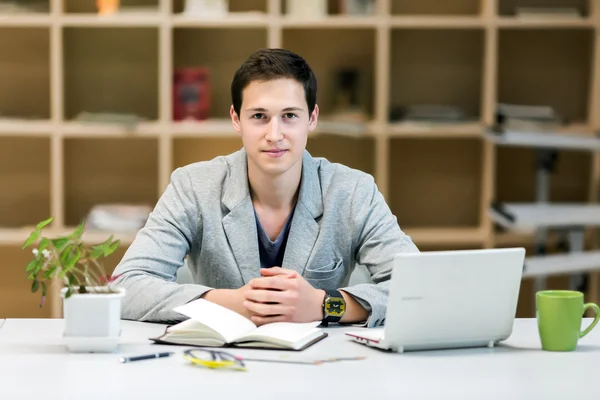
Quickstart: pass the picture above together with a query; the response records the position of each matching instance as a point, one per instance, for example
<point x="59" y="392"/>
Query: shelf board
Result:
<point x="18" y="236"/>
<point x="436" y="22"/>
<point x="527" y="217"/>
<point x="446" y="236"/>
<point x="565" y="139"/>
<point x="87" y="129"/>
<point x="12" y="126"/>
<point x="142" y="19"/>
<point x="334" y="21"/>
<point x="343" y="128"/>
<point x="557" y="22"/>
<point x="220" y="127"/>
<point x="434" y="130"/>
<point x="233" y="20"/>
<point x="561" y="264"/>
<point x="25" y="19"/>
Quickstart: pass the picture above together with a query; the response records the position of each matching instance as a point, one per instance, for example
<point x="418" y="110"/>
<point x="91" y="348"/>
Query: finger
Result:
<point x="270" y="283"/>
<point x="260" y="320"/>
<point x="264" y="296"/>
<point x="262" y="309"/>
<point x="278" y="271"/>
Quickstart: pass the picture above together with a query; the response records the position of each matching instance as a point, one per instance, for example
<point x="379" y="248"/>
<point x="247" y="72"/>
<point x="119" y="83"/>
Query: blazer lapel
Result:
<point x="240" y="224"/>
<point x="305" y="228"/>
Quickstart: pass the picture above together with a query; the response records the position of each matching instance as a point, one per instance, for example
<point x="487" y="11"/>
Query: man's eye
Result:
<point x="290" y="115"/>
<point x="258" y="116"/>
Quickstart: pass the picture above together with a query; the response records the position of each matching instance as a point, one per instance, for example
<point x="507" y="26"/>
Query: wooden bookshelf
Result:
<point x="438" y="179"/>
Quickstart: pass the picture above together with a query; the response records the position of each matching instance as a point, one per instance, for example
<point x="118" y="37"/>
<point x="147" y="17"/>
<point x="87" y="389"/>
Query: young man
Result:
<point x="272" y="232"/>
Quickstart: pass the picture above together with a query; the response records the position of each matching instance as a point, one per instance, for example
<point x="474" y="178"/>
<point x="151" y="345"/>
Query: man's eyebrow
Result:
<point x="260" y="109"/>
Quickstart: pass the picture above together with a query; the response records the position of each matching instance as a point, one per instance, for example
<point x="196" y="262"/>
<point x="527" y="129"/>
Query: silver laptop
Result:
<point x="449" y="299"/>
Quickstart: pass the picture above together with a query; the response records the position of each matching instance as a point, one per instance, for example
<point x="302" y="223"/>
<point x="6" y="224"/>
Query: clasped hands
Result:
<point x="281" y="295"/>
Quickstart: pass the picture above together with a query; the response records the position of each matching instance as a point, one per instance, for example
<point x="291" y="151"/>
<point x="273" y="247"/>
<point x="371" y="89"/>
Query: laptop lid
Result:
<point x="443" y="299"/>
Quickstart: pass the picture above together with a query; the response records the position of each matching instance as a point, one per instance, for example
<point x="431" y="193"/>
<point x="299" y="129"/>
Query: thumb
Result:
<point x="278" y="271"/>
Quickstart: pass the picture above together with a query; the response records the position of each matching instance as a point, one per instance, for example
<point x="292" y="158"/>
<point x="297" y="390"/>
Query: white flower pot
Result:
<point x="92" y="321"/>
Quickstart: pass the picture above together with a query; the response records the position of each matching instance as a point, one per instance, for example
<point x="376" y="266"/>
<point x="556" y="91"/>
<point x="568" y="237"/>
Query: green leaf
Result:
<point x="39" y="265"/>
<point x="97" y="251"/>
<point x="50" y="272"/>
<point x="68" y="293"/>
<point x="78" y="232"/>
<point x="60" y="243"/>
<point x="43" y="244"/>
<point x="31" y="266"/>
<point x="112" y="248"/>
<point x="72" y="279"/>
<point x="32" y="238"/>
<point x="34" y="286"/>
<point x="73" y="258"/>
<point x="43" y="224"/>
<point x="64" y="255"/>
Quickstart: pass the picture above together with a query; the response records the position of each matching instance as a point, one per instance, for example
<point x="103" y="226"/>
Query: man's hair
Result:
<point x="270" y="64"/>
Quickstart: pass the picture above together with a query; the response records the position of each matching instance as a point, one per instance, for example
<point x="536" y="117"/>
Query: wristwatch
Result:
<point x="334" y="306"/>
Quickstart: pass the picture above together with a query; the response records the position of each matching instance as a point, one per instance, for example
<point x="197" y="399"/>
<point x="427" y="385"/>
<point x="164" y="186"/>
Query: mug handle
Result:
<point x="594" y="322"/>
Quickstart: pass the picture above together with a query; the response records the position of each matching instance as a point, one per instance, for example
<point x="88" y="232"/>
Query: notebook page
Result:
<point x="291" y="332"/>
<point x="228" y="323"/>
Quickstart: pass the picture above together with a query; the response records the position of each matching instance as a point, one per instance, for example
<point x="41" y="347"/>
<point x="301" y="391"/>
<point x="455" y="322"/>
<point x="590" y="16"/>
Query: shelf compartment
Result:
<point x="359" y="153"/>
<point x="236" y="7"/>
<point x="111" y="70"/>
<point x="436" y="184"/>
<point x="516" y="176"/>
<point x="547" y="67"/>
<point x="189" y="150"/>
<point x="436" y="7"/>
<point x="16" y="299"/>
<point x="328" y="53"/>
<point x="25" y="177"/>
<point x="204" y="48"/>
<point x="127" y="7"/>
<point x="437" y="67"/>
<point x="100" y="171"/>
<point x="25" y="73"/>
<point x="509" y="7"/>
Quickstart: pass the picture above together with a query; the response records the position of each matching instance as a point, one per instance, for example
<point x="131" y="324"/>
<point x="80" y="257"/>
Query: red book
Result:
<point x="191" y="94"/>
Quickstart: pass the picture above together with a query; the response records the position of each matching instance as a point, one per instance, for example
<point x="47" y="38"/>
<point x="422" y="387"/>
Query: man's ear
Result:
<point x="235" y="119"/>
<point x="314" y="116"/>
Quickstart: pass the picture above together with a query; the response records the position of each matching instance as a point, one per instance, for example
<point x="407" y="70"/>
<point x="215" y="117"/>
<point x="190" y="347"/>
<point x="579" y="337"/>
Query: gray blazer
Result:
<point x="206" y="213"/>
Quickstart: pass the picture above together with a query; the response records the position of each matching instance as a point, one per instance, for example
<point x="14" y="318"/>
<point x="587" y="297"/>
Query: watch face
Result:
<point x="335" y="306"/>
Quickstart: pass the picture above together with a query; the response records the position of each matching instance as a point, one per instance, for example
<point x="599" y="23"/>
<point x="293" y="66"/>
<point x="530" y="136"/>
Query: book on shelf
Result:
<point x="212" y="325"/>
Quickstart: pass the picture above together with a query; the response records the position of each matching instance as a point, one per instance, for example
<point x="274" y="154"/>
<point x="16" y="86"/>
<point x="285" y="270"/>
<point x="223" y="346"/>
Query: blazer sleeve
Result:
<point x="378" y="238"/>
<point x="149" y="267"/>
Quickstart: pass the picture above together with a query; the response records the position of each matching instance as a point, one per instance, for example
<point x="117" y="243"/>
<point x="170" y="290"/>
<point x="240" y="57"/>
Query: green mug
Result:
<point x="559" y="314"/>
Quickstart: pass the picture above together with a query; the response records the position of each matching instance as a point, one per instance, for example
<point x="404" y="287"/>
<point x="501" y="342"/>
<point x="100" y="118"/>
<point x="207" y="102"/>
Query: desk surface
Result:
<point x="33" y="359"/>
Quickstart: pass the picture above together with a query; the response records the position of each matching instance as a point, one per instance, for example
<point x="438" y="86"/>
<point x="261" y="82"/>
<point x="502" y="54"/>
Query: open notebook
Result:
<point x="212" y="325"/>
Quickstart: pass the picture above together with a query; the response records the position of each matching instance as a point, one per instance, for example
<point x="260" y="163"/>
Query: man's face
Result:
<point x="274" y="123"/>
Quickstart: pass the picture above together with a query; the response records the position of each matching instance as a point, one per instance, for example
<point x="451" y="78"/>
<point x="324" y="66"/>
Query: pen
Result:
<point x="145" y="357"/>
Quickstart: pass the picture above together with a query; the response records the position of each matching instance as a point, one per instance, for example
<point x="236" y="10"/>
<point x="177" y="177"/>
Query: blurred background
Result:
<point x="477" y="118"/>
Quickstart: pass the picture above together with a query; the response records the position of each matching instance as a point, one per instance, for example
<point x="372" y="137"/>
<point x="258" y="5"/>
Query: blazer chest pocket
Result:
<point x="328" y="276"/>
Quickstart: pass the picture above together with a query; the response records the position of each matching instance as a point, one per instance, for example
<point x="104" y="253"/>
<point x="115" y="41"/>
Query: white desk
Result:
<point x="33" y="360"/>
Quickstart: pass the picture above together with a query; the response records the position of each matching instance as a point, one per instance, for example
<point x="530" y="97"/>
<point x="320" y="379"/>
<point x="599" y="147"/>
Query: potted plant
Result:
<point x="91" y="303"/>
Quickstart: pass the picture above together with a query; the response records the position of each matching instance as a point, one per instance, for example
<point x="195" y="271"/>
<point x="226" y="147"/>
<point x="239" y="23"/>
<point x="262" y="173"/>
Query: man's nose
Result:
<point x="274" y="131"/>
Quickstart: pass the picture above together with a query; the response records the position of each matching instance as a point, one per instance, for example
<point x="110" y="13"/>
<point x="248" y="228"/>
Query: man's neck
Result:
<point x="277" y="193"/>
